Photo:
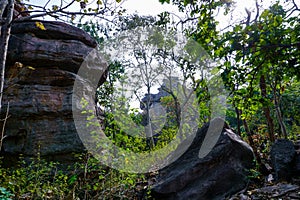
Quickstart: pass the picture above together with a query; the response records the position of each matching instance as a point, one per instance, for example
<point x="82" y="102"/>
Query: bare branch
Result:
<point x="295" y="5"/>
<point x="4" y="38"/>
<point x="62" y="11"/>
<point x="257" y="11"/>
<point x="3" y="126"/>
<point x="293" y="9"/>
<point x="248" y="17"/>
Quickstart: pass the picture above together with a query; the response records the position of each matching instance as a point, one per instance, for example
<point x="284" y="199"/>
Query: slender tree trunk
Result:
<point x="149" y="128"/>
<point x="5" y="20"/>
<point x="238" y="114"/>
<point x="266" y="108"/>
<point x="238" y="118"/>
<point x="251" y="142"/>
<point x="249" y="134"/>
<point x="278" y="113"/>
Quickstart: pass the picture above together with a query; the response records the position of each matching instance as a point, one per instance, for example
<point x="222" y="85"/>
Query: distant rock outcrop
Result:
<point x="41" y="70"/>
<point x="219" y="174"/>
<point x="161" y="115"/>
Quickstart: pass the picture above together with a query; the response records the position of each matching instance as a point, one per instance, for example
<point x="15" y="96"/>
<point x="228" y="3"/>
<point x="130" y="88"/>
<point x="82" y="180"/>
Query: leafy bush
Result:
<point x="86" y="179"/>
<point x="4" y="194"/>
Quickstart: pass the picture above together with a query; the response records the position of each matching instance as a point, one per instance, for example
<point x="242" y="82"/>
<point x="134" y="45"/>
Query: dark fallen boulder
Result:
<point x="276" y="192"/>
<point x="296" y="164"/>
<point x="282" y="157"/>
<point x="222" y="172"/>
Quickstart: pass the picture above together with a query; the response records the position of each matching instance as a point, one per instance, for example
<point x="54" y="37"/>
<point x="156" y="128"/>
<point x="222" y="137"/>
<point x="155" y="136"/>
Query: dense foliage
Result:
<point x="258" y="60"/>
<point x="85" y="179"/>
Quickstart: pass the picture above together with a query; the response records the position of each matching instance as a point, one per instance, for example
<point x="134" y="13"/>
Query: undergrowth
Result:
<point x="85" y="179"/>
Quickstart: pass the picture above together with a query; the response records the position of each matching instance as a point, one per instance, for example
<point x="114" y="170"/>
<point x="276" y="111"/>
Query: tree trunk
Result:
<point x="251" y="142"/>
<point x="5" y="20"/>
<point x="266" y="108"/>
<point x="238" y="118"/>
<point x="149" y="128"/>
<point x="278" y="113"/>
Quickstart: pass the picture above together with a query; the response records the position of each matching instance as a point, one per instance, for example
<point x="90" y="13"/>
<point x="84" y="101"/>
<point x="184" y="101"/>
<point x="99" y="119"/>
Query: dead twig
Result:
<point x="3" y="127"/>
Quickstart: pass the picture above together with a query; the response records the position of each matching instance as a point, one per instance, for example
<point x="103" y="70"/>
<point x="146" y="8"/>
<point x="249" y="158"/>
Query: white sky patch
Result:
<point x="148" y="7"/>
<point x="154" y="7"/>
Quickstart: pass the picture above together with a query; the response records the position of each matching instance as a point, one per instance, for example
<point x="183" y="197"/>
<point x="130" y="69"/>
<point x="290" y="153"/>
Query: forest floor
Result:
<point x="278" y="191"/>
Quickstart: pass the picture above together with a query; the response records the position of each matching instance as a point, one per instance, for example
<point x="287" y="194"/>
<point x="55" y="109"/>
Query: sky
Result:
<point x="154" y="7"/>
<point x="148" y="7"/>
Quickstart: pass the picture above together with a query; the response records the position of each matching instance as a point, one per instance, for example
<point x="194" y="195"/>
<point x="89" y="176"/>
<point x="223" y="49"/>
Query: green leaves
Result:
<point x="55" y="7"/>
<point x="5" y="194"/>
<point x="164" y="1"/>
<point x="262" y="48"/>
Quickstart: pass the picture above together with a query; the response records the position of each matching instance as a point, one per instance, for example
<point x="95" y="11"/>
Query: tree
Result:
<point x="144" y="70"/>
<point x="151" y="61"/>
<point x="258" y="58"/>
<point x="261" y="58"/>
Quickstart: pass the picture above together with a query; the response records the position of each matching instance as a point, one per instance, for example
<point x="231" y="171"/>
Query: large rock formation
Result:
<point x="219" y="174"/>
<point x="41" y="69"/>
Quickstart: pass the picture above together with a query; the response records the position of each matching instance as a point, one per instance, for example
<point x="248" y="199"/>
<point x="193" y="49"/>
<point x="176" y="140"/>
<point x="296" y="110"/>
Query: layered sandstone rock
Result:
<point x="41" y="70"/>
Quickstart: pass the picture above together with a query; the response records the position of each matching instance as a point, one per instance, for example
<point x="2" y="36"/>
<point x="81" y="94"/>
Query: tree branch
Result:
<point x="4" y="38"/>
<point x="3" y="126"/>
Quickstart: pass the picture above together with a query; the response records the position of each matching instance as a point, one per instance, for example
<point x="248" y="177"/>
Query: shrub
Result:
<point x="85" y="179"/>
